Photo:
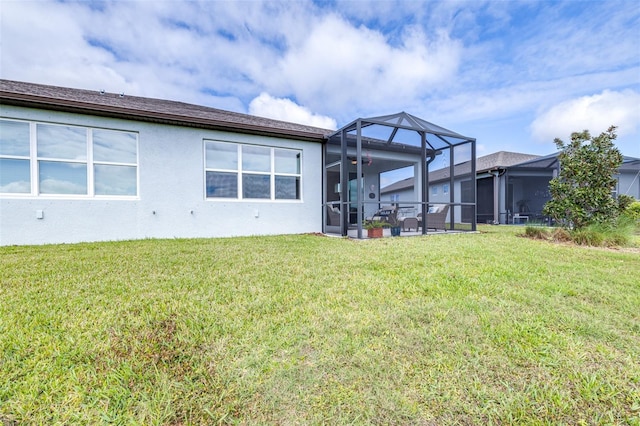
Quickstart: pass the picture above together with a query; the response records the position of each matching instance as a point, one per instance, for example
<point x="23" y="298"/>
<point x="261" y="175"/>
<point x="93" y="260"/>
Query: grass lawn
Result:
<point x="487" y="328"/>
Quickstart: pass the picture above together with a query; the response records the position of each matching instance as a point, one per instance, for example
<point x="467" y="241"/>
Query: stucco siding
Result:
<point x="171" y="201"/>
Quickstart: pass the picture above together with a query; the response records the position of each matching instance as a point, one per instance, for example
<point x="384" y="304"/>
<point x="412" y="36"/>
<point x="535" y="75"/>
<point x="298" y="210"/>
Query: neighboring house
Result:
<point x="442" y="187"/>
<point x="524" y="187"/>
<point x="511" y="187"/>
<point x="82" y="165"/>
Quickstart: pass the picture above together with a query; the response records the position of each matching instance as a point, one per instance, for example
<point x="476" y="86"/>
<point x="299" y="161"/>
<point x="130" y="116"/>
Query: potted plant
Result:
<point x="374" y="228"/>
<point x="394" y="223"/>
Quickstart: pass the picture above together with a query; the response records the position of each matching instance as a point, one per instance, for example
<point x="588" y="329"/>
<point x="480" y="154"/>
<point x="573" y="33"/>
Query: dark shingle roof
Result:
<point x="398" y="186"/>
<point x="502" y="159"/>
<point x="149" y="109"/>
<point x="497" y="160"/>
<point x="551" y="161"/>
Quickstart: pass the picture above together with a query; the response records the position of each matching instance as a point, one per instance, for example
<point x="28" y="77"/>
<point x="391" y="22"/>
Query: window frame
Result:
<point x="240" y="172"/>
<point x="89" y="163"/>
<point x="27" y="158"/>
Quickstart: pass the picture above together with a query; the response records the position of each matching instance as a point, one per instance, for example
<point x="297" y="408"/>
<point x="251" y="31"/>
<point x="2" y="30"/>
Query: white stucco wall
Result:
<point x="171" y="184"/>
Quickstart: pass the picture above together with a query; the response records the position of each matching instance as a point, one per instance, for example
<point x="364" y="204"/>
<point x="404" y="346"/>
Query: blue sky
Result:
<point x="512" y="74"/>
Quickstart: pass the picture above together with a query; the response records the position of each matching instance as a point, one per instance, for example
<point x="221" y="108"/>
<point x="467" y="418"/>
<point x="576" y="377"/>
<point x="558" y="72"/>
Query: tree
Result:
<point x="581" y="194"/>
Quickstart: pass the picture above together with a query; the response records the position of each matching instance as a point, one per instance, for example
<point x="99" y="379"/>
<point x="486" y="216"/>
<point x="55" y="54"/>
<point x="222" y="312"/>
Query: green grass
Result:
<point x="487" y="328"/>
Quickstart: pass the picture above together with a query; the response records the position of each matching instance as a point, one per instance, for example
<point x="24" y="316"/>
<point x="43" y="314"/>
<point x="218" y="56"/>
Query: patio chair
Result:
<point x="437" y="218"/>
<point x="410" y="223"/>
<point x="333" y="216"/>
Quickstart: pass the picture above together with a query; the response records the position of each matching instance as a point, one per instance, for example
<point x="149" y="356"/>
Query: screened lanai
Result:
<point x="527" y="186"/>
<point x="370" y="152"/>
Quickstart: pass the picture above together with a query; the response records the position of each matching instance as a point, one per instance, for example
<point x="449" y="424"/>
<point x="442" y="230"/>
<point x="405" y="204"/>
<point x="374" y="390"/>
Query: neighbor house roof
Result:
<point x="551" y="161"/>
<point x="101" y="103"/>
<point x="501" y="159"/>
<point x="398" y="186"/>
<point x="495" y="161"/>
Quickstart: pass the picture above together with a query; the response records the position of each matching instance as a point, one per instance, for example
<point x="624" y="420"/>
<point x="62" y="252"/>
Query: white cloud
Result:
<point x="594" y="113"/>
<point x="457" y="64"/>
<point x="340" y="67"/>
<point x="43" y="42"/>
<point x="57" y="186"/>
<point x="284" y="109"/>
<point x="20" y="186"/>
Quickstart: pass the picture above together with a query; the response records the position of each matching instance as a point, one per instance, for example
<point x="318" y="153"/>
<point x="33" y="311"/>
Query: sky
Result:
<point x="512" y="74"/>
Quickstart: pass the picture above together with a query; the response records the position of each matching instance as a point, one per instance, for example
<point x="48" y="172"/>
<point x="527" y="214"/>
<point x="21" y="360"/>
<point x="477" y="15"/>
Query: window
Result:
<point x="115" y="157"/>
<point x="394" y="198"/>
<point x="62" y="159"/>
<point x="15" y="157"/>
<point x="256" y="171"/>
<point x="251" y="171"/>
<point x="614" y="191"/>
<point x="445" y="188"/>
<point x="53" y="159"/>
<point x="434" y="190"/>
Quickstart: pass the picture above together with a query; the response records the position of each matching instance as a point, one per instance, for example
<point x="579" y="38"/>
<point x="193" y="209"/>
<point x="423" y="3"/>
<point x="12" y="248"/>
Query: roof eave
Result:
<point x="28" y="100"/>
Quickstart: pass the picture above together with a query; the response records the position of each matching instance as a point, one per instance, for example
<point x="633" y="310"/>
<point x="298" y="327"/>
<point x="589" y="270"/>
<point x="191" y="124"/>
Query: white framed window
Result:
<point x="15" y="157"/>
<point x="115" y="162"/>
<point x="252" y="172"/>
<point x="445" y="188"/>
<point x="62" y="159"/>
<point x="434" y="190"/>
<point x="394" y="198"/>
<point x="45" y="159"/>
<point x="614" y="191"/>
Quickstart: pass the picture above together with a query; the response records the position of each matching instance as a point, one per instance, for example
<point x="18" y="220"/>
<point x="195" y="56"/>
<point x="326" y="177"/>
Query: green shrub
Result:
<point x="587" y="236"/>
<point x="581" y="194"/>
<point x="618" y="234"/>
<point x="372" y="224"/>
<point x="633" y="211"/>
<point x="624" y="201"/>
<point x="536" y="232"/>
<point x="626" y="226"/>
<point x="561" y="235"/>
<point x="605" y="235"/>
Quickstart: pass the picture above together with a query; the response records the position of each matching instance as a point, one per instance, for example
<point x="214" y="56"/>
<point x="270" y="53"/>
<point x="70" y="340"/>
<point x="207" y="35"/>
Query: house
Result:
<point x="511" y="187"/>
<point x="81" y="165"/>
<point x="524" y="187"/>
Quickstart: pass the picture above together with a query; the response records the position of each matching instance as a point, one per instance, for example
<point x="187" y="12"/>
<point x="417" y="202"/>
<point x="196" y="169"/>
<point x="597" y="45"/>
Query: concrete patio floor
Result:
<point x="353" y="233"/>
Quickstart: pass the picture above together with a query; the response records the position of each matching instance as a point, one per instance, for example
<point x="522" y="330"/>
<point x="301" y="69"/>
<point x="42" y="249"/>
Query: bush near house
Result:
<point x="581" y="194"/>
<point x="633" y="211"/>
<point x="619" y="234"/>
